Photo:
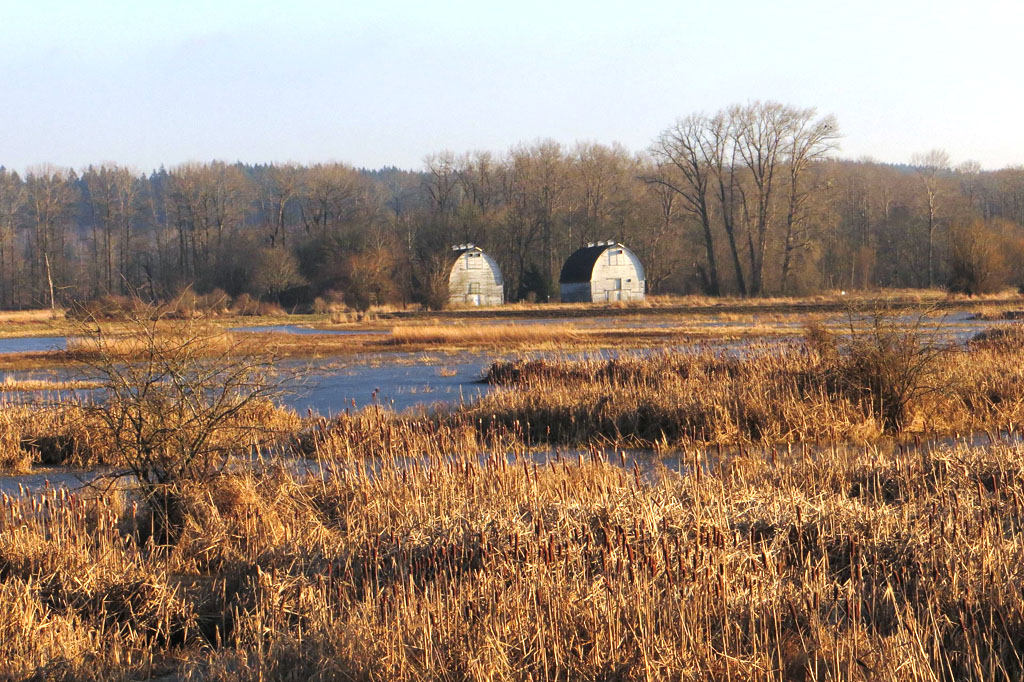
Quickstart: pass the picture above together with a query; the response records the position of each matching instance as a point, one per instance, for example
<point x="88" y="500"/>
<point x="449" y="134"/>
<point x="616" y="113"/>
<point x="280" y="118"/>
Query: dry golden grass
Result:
<point x="998" y="313"/>
<point x="26" y="316"/>
<point x="39" y="323"/>
<point x="770" y="393"/>
<point x="42" y="322"/>
<point x="796" y="303"/>
<point x="433" y="546"/>
<point x="130" y="346"/>
<point x="855" y="564"/>
<point x="45" y="434"/>
<point x="345" y="315"/>
<point x="14" y="323"/>
<point x="66" y="434"/>
<point x="11" y="384"/>
<point x="482" y="334"/>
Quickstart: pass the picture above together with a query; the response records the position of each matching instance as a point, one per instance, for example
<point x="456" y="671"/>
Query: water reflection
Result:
<point x="33" y="344"/>
<point x="301" y="331"/>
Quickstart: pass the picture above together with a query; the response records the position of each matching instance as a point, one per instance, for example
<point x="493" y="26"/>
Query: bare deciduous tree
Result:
<point x="12" y="199"/>
<point x="759" y="132"/>
<point x="809" y="142"/>
<point x="723" y="157"/>
<point x="930" y="167"/>
<point x="541" y="182"/>
<point x="975" y="259"/>
<point x="275" y="271"/>
<point x="50" y="195"/>
<point x="282" y="184"/>
<point x="685" y="154"/>
<point x="113" y="203"/>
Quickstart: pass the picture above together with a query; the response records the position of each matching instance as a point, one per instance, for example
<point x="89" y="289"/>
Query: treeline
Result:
<point x="748" y="201"/>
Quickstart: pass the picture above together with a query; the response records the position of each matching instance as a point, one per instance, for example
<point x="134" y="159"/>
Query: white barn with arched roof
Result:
<point x="602" y="271"/>
<point x="474" y="278"/>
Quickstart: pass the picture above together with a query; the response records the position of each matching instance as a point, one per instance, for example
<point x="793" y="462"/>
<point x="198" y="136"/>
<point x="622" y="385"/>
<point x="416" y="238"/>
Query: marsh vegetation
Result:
<point x="836" y="506"/>
<point x="864" y="563"/>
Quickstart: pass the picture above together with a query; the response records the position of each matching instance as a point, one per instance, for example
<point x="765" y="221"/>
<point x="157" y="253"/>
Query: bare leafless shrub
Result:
<point x="891" y="361"/>
<point x="245" y="305"/>
<point x="176" y="400"/>
<point x="431" y="277"/>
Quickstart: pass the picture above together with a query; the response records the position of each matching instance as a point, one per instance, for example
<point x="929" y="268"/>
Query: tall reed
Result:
<point x="770" y="393"/>
<point x="857" y="564"/>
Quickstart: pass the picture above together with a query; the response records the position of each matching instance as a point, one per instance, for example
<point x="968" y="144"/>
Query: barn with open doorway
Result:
<point x="474" y="278"/>
<point x="602" y="271"/>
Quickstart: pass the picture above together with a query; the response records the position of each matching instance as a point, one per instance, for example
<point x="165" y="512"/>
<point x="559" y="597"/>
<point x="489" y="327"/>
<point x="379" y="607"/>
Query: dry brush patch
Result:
<point x="862" y="564"/>
<point x="376" y="433"/>
<point x="72" y="434"/>
<point x="48" y="434"/>
<point x="765" y="393"/>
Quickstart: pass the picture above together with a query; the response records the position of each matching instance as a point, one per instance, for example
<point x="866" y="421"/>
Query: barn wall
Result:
<point x="576" y="292"/>
<point x="627" y="270"/>
<point x="481" y="285"/>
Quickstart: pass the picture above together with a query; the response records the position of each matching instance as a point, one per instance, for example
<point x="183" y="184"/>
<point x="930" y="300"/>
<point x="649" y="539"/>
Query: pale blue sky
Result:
<point x="387" y="83"/>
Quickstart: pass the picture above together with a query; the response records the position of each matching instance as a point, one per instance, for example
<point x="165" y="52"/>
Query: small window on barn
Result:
<point x="616" y="284"/>
<point x="474" y="261"/>
<point x="615" y="257"/>
<point x="474" y="287"/>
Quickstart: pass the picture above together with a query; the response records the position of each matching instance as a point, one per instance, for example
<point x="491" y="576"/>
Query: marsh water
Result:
<point x="407" y="381"/>
<point x="400" y="381"/>
<point x="326" y="387"/>
<point x="33" y="344"/>
<point x="421" y="380"/>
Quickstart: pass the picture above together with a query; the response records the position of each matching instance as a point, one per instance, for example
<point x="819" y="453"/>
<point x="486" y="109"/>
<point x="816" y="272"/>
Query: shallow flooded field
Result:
<point x="420" y="380"/>
<point x="399" y="383"/>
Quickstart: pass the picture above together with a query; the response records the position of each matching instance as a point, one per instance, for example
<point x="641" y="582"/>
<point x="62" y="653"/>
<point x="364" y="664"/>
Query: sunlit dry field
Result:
<point x="860" y="564"/>
<point x="834" y="506"/>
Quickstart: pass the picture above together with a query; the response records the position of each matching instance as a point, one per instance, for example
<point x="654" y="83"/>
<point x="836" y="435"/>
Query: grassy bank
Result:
<point x="407" y="338"/>
<point x="114" y="319"/>
<point x="695" y="305"/>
